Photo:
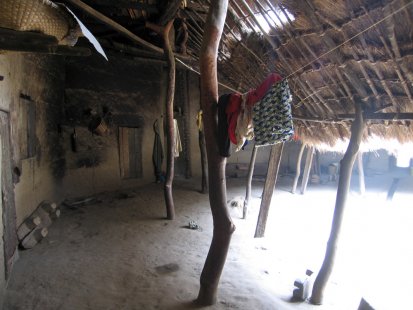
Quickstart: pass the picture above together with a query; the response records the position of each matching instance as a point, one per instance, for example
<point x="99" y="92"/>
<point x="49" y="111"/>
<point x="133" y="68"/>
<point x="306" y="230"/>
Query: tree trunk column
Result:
<point x="346" y="167"/>
<point x="169" y="121"/>
<point x="204" y="163"/>
<point x="223" y="226"/>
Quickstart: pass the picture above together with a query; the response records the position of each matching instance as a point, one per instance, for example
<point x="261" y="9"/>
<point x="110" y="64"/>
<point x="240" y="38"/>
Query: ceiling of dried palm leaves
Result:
<point x="335" y="54"/>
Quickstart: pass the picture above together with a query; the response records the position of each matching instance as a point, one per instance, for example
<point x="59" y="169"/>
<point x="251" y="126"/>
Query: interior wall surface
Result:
<point x="36" y="81"/>
<point x="194" y="106"/>
<point x="2" y="265"/>
<point x="374" y="162"/>
<point x="132" y="92"/>
<point x="31" y="94"/>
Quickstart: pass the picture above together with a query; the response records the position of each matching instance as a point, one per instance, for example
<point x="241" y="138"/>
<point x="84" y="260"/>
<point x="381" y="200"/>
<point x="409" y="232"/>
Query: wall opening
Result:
<point x="130" y="152"/>
<point x="7" y="195"/>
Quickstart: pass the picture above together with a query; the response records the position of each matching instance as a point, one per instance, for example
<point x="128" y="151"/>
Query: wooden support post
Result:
<point x="362" y="183"/>
<point x="249" y="180"/>
<point x="223" y="225"/>
<point x="204" y="163"/>
<point x="298" y="168"/>
<point x="271" y="179"/>
<point x="307" y="169"/>
<point x="346" y="167"/>
<point x="169" y="121"/>
<point x="392" y="189"/>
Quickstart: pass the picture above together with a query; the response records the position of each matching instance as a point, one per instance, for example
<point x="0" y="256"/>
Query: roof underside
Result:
<point x="333" y="53"/>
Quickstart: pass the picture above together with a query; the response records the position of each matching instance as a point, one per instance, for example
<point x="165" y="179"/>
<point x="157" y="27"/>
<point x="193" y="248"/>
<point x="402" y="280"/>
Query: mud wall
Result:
<point x="375" y="162"/>
<point x="132" y="92"/>
<point x="31" y="97"/>
<point x="32" y="94"/>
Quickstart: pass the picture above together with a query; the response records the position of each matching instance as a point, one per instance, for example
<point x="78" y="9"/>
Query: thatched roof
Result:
<point x="333" y="53"/>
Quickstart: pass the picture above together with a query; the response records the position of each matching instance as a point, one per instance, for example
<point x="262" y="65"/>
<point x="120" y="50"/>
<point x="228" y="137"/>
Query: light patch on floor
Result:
<point x="122" y="254"/>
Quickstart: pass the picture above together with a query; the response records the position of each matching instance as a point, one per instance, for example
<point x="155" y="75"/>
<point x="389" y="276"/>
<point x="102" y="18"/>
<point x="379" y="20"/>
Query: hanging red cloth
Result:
<point x="253" y="96"/>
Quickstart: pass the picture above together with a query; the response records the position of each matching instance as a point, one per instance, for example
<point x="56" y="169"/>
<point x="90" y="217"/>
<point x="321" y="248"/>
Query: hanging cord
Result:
<point x="317" y="58"/>
<point x="350" y="39"/>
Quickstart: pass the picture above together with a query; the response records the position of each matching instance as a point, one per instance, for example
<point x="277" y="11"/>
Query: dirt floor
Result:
<point x="121" y="253"/>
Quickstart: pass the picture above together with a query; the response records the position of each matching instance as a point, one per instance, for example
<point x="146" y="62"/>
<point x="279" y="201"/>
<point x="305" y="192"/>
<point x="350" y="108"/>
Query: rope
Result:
<point x="193" y="70"/>
<point x="350" y="39"/>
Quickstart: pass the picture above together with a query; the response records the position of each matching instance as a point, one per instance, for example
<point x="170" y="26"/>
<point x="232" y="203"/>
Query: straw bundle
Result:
<point x="41" y="16"/>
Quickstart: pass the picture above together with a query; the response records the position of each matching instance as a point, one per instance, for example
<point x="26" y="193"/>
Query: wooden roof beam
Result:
<point x="127" y="4"/>
<point x="31" y="42"/>
<point x="380" y="116"/>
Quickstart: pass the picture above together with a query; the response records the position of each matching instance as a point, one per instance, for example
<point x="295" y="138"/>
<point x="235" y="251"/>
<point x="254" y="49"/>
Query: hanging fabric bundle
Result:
<point x="199" y="122"/>
<point x="177" y="145"/>
<point x="244" y="130"/>
<point x="263" y="113"/>
<point x="272" y="116"/>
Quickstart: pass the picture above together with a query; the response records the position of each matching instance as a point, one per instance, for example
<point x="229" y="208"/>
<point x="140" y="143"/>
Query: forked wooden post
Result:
<point x="223" y="226"/>
<point x="346" y="167"/>
<point x="298" y="168"/>
<point x="307" y="169"/>
<point x="249" y="180"/>
<point x="169" y="122"/>
<point x="271" y="179"/>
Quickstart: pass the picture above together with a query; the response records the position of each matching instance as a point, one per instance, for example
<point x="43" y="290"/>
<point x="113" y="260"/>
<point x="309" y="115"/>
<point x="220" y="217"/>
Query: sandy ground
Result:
<point x="122" y="254"/>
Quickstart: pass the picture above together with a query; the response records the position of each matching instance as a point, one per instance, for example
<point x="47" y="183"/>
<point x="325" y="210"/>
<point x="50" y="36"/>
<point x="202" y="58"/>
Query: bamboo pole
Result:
<point x="271" y="179"/>
<point x="249" y="180"/>
<point x="346" y="167"/>
<point x="298" y="168"/>
<point x="223" y="225"/>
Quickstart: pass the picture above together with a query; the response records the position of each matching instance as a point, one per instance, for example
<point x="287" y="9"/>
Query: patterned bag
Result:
<point x="272" y="116"/>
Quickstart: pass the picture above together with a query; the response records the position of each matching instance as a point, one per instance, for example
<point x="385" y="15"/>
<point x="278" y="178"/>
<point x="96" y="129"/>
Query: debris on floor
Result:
<point x="34" y="227"/>
<point x="193" y="226"/>
<point x="168" y="268"/>
<point x="80" y="202"/>
<point x="124" y="195"/>
<point x="303" y="287"/>
<point x="236" y="205"/>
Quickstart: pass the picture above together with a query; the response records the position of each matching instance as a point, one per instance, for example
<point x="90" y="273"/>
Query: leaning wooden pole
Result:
<point x="346" y="167"/>
<point x="271" y="179"/>
<point x="362" y="183"/>
<point x="298" y="168"/>
<point x="223" y="226"/>
<point x="249" y="181"/>
<point x="307" y="169"/>
<point x="169" y="121"/>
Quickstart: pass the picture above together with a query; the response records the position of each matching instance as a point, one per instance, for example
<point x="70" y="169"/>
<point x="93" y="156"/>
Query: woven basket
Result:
<point x="39" y="15"/>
